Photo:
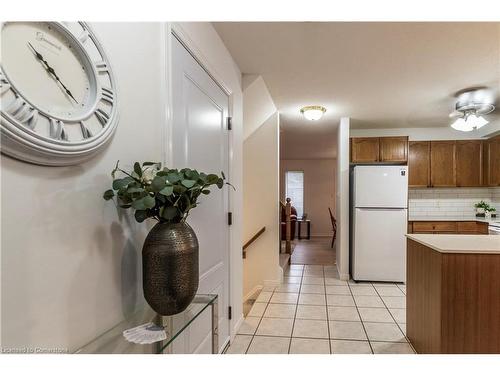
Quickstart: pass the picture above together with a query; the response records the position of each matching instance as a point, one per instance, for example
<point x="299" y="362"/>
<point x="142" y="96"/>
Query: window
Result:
<point x="294" y="184"/>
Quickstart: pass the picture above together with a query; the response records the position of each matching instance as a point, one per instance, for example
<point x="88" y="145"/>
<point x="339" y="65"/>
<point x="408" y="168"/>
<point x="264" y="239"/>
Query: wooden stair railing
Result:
<point x="251" y="240"/>
<point x="288" y="226"/>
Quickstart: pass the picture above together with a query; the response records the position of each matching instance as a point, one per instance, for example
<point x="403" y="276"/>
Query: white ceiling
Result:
<point x="381" y="75"/>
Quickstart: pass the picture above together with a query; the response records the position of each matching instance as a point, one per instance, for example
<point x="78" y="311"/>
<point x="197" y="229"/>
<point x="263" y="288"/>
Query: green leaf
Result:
<point x="178" y="189"/>
<point x="158" y="183"/>
<point x="169" y="212"/>
<point x="132" y="190"/>
<point x="122" y="182"/>
<point x="138" y="169"/>
<point x="188" y="183"/>
<point x="149" y="201"/>
<point x="222" y="174"/>
<point x="173" y="177"/>
<point x="140" y="215"/>
<point x="212" y="179"/>
<point x="220" y="183"/>
<point x="149" y="163"/>
<point x="108" y="194"/>
<point x="206" y="191"/>
<point x="144" y="203"/>
<point x="167" y="190"/>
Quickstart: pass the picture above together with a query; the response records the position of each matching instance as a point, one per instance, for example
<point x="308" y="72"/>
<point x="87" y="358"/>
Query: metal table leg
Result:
<point x="215" y="326"/>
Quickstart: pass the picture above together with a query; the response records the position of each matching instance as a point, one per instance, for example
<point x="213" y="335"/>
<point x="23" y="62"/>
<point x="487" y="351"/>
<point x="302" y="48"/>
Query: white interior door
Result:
<point x="200" y="141"/>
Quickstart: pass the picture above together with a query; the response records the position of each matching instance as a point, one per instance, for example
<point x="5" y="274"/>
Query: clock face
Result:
<point x="35" y="82"/>
<point x="57" y="92"/>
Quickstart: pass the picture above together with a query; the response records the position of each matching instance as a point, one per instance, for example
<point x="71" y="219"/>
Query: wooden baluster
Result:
<point x="288" y="227"/>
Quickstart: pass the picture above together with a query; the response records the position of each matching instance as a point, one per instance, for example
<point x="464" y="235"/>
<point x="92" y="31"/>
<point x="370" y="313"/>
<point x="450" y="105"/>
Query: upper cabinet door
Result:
<point x="443" y="164"/>
<point x="492" y="162"/>
<point x="469" y="162"/>
<point x="394" y="149"/>
<point x="419" y="164"/>
<point x="364" y="150"/>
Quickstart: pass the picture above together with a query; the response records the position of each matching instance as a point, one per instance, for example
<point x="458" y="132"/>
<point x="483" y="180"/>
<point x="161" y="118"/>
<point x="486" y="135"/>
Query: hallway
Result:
<point x="313" y="312"/>
<point x="316" y="251"/>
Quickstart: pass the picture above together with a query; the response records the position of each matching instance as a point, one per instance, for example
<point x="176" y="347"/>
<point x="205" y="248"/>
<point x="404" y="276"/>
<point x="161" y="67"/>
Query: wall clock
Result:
<point x="57" y="92"/>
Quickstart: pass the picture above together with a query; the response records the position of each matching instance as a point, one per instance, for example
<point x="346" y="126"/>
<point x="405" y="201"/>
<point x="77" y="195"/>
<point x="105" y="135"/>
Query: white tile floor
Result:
<point x="314" y="312"/>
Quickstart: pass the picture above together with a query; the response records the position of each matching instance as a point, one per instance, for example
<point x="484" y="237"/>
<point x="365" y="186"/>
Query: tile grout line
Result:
<point x="260" y="319"/>
<point x="390" y="313"/>
<point x="404" y="333"/>
<point x="296" y="308"/>
<point x="327" y="315"/>
<point x="360" y="319"/>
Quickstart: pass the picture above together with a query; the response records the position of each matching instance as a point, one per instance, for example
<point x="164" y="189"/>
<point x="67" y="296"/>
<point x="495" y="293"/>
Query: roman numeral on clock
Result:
<point x="23" y="112"/>
<point x="101" y="66"/>
<point x="4" y="84"/>
<point x="107" y="95"/>
<point x="102" y="116"/>
<point x="84" y="36"/>
<point x="85" y="131"/>
<point x="57" y="130"/>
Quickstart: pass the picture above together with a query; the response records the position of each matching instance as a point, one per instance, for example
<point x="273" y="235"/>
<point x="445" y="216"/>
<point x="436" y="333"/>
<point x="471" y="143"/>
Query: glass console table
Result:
<point x="113" y="342"/>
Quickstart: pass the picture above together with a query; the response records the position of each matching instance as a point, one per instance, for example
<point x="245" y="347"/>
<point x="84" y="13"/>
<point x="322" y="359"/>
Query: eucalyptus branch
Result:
<point x="165" y="195"/>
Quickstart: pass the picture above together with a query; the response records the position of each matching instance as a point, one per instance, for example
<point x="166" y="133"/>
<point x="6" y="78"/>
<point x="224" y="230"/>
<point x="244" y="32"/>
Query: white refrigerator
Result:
<point x="379" y="222"/>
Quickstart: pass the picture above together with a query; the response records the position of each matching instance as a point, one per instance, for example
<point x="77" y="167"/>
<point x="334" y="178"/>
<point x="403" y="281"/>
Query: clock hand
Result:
<point x="49" y="69"/>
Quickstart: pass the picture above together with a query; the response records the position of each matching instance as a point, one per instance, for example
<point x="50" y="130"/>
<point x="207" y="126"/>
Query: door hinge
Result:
<point x="229" y="218"/>
<point x="229" y="312"/>
<point x="229" y="123"/>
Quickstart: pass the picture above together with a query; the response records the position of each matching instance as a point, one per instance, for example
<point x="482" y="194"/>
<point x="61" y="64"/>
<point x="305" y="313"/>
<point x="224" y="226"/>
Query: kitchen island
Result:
<point x="453" y="293"/>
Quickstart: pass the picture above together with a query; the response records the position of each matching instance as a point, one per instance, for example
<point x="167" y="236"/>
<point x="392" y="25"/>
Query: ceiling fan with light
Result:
<point x="472" y="104"/>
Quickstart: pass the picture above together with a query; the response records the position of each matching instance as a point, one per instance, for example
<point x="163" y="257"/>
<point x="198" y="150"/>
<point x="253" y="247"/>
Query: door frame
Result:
<point x="174" y="30"/>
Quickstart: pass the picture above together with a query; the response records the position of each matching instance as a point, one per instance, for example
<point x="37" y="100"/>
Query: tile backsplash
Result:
<point x="450" y="201"/>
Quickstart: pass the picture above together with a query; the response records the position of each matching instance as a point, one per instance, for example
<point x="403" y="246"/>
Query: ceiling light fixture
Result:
<point x="313" y="112"/>
<point x="470" y="107"/>
<point x="469" y="123"/>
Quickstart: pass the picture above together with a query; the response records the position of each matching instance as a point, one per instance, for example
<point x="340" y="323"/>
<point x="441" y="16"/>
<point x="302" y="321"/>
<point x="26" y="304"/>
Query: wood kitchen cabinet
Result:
<point x="394" y="149"/>
<point x="379" y="149"/>
<point x="491" y="153"/>
<point x="365" y="150"/>
<point x="452" y="299"/>
<point x="447" y="227"/>
<point x="419" y="164"/>
<point x="469" y="160"/>
<point x="443" y="164"/>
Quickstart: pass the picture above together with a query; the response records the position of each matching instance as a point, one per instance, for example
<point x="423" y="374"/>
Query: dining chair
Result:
<point x="334" y="226"/>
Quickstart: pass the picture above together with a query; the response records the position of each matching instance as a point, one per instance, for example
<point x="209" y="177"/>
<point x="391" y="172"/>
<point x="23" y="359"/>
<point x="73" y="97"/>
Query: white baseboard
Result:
<point x="252" y="292"/>
<point x="273" y="282"/>
<point x="343" y="276"/>
<point x="237" y="326"/>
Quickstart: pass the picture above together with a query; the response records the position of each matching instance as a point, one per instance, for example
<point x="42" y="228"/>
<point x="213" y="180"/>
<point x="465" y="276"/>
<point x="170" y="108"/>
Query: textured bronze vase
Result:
<point x="170" y="267"/>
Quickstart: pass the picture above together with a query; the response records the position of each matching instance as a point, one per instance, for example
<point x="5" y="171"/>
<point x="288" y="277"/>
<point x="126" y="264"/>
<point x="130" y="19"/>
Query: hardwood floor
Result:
<point x="317" y="250"/>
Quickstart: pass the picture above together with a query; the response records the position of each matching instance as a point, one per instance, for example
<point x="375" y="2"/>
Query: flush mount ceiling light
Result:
<point x="470" y="108"/>
<point x="313" y="112"/>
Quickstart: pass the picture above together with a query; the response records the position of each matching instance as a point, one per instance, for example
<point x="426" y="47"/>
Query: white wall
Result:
<point x="71" y="262"/>
<point x="342" y="242"/>
<point x="319" y="191"/>
<point x="261" y="187"/>
<point x="258" y="104"/>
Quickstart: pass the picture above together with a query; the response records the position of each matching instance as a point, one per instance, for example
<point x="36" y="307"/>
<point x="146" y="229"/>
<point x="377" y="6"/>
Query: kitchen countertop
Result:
<point x="454" y="218"/>
<point x="459" y="243"/>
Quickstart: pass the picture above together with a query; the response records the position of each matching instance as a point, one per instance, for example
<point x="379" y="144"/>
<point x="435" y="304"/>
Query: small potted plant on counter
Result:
<point x="170" y="251"/>
<point x="483" y="209"/>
